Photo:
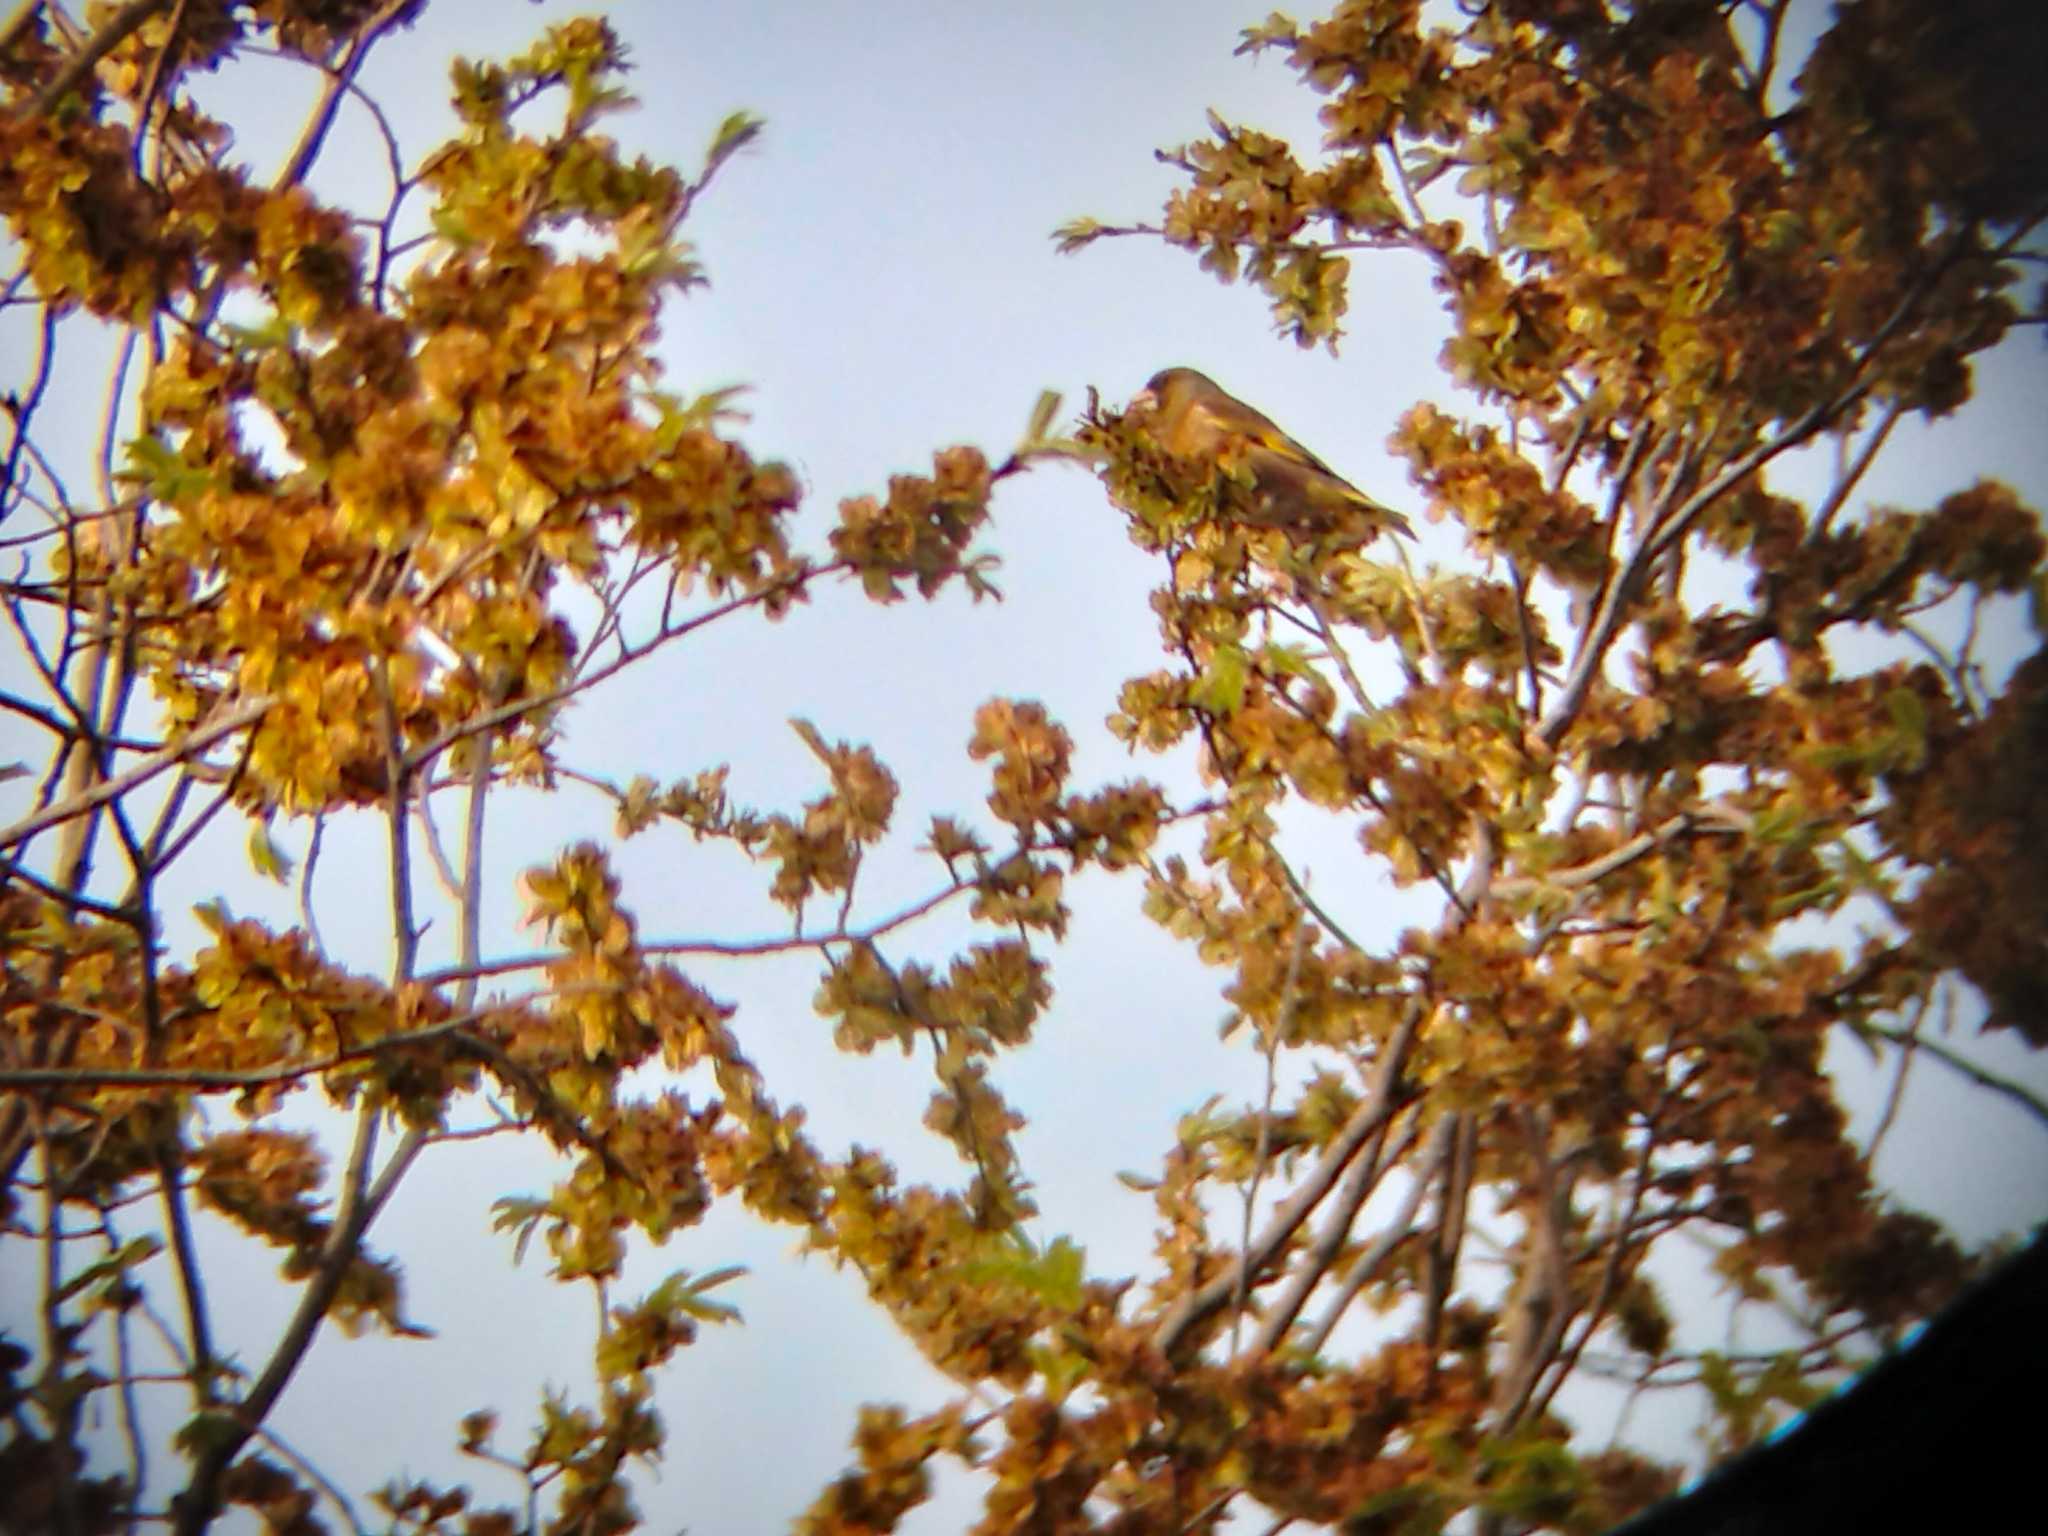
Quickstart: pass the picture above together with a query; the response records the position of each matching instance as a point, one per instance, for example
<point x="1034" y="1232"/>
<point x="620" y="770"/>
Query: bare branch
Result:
<point x="1983" y="1077"/>
<point x="1357" y="1188"/>
<point x="339" y="79"/>
<point x="1708" y="818"/>
<point x="1366" y="1121"/>
<point x="112" y="33"/>
<point x="490" y="719"/>
<point x="208" y="1079"/>
<point x="125" y="1380"/>
<point x="198" y="1505"/>
<point x="191" y="1283"/>
<point x="60" y="1407"/>
<point x="313" y="1475"/>
<point x="309" y="918"/>
<point x="1852" y="474"/>
<point x="1289" y="995"/>
<point x="21" y="410"/>
<point x="201" y="737"/>
<point x="1399" y="1230"/>
<point x="23" y="18"/>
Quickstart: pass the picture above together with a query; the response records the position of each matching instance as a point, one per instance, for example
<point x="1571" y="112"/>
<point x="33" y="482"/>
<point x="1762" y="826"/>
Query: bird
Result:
<point x="1194" y="417"/>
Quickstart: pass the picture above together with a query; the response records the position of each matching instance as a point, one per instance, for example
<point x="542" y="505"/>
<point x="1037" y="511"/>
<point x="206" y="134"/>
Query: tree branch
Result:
<point x="112" y="33"/>
<point x="1367" y="1264"/>
<point x="201" y="737"/>
<point x="1357" y="1188"/>
<point x="223" y="1080"/>
<point x="1366" y="1121"/>
<point x="199" y="1504"/>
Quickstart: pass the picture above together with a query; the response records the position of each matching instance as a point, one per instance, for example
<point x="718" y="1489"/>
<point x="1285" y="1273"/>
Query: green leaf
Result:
<point x="1041" y="415"/>
<point x="689" y="1295"/>
<point x="206" y="1431"/>
<point x="1060" y="1273"/>
<point x="734" y="134"/>
<point x="521" y="1213"/>
<point x="1909" y="724"/>
<point x="162" y="470"/>
<point x="1076" y="233"/>
<point x="137" y="1250"/>
<point x="266" y="858"/>
<point x="450" y="226"/>
<point x="1054" y="1276"/>
<point x="1286" y="660"/>
<point x="1063" y="1370"/>
<point x="1220" y="688"/>
<point x="1200" y="1125"/>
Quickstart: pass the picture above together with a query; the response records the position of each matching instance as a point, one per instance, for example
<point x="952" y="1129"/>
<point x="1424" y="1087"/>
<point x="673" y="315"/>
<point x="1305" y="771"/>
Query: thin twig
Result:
<point x="1366" y="1121"/>
<point x="199" y="739"/>
<point x="110" y="36"/>
<point x="125" y="1379"/>
<point x="198" y="1350"/>
<point x="321" y="119"/>
<point x="59" y="1405"/>
<point x="1710" y="819"/>
<point x="430" y="838"/>
<point x="308" y="917"/>
<point x="2018" y="1092"/>
<point x="1328" y="631"/>
<point x="469" y="923"/>
<point x="1399" y="1230"/>
<point x="23" y="18"/>
<point x="312" y="1474"/>
<point x="222" y="1080"/>
<point x="1264" y="1148"/>
<point x="1568" y="1360"/>
<point x="490" y="719"/>
<point x="1852" y="474"/>
<point x="198" y="1505"/>
<point x="21" y="408"/>
<point x="1897" y="1091"/>
<point x="486" y="969"/>
<point x="1660" y="535"/>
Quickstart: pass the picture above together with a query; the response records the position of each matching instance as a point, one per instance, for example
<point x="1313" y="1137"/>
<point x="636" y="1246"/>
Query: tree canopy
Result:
<point x="1695" y="775"/>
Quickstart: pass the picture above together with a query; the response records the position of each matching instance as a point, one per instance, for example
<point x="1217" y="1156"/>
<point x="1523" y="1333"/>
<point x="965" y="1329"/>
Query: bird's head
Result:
<point x="1170" y="390"/>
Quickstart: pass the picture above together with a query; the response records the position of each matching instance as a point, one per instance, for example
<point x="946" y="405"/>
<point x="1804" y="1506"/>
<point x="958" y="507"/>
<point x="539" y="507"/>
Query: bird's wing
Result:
<point x="1263" y="430"/>
<point x="1310" y="482"/>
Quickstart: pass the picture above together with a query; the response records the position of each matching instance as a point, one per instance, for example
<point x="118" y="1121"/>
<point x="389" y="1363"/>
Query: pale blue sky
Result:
<point x="882" y="277"/>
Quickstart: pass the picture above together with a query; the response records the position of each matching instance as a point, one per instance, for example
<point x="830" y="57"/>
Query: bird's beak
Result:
<point x="1143" y="400"/>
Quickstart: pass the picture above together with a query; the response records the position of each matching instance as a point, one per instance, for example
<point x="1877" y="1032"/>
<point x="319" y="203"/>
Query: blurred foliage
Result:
<point x="380" y="491"/>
